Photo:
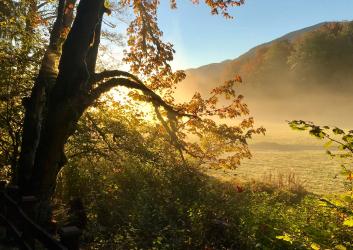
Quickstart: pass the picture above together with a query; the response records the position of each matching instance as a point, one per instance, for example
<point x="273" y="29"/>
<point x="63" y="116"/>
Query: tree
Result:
<point x="67" y="84"/>
<point x="21" y="50"/>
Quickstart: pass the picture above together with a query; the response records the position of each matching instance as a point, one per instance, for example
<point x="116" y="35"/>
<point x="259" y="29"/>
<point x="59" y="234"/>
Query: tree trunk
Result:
<point x="35" y="105"/>
<point x="58" y="99"/>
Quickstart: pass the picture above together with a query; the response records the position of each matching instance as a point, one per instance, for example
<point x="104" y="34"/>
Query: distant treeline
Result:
<point x="319" y="56"/>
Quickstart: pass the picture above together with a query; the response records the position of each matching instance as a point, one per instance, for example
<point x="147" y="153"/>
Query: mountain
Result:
<point x="306" y="74"/>
<point x="290" y="36"/>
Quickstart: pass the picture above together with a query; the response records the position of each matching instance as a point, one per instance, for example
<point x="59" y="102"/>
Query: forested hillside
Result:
<point x="279" y="76"/>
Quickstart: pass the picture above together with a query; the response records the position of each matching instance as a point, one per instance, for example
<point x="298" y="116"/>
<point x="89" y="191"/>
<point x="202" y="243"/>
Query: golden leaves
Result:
<point x="217" y="144"/>
<point x="148" y="55"/>
<point x="238" y="78"/>
<point x="221" y="7"/>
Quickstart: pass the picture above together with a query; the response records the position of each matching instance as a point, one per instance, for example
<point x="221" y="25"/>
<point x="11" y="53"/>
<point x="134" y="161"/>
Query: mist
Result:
<point x="305" y="76"/>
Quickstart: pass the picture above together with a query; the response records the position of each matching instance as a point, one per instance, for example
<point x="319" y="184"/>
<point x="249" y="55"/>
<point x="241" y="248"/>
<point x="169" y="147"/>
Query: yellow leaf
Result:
<point x="285" y="237"/>
<point x="348" y="222"/>
<point x="315" y="246"/>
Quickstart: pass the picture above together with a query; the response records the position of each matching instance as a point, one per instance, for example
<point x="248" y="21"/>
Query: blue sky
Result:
<point x="201" y="38"/>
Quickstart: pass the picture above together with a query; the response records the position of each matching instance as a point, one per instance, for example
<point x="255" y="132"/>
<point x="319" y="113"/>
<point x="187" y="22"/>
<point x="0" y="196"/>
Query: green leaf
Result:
<point x="348" y="138"/>
<point x="347" y="198"/>
<point x="337" y="131"/>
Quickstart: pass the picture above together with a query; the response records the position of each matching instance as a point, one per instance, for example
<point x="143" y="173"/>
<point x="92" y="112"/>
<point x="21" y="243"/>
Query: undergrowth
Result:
<point x="143" y="206"/>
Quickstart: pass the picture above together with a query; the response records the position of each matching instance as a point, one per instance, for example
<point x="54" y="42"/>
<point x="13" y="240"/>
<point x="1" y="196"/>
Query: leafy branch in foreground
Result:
<point x="334" y="136"/>
<point x="339" y="145"/>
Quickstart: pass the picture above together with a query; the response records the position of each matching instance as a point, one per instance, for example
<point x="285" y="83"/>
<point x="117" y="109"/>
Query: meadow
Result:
<point x="312" y="169"/>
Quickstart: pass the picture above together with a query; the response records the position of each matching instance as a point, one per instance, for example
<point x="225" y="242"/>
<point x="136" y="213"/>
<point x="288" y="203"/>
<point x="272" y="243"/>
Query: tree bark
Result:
<point x="58" y="99"/>
<point x="67" y="99"/>
<point x="35" y="105"/>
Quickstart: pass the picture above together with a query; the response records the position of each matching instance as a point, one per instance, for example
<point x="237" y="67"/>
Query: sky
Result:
<point x="201" y="38"/>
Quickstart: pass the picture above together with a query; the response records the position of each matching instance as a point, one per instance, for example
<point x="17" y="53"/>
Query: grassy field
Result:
<point x="283" y="153"/>
<point x="311" y="168"/>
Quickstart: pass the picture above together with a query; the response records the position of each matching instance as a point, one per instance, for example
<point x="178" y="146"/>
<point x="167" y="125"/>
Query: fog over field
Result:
<point x="304" y="75"/>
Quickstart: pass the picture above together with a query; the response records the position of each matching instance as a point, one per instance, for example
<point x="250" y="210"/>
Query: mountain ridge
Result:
<point x="289" y="35"/>
<point x="305" y="74"/>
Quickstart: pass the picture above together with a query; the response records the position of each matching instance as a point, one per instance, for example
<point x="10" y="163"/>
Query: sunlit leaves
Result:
<point x="334" y="136"/>
<point x="22" y="32"/>
<point x="348" y="222"/>
<point x="285" y="237"/>
<point x="218" y="144"/>
<point x="315" y="246"/>
<point x="221" y="6"/>
<point x="147" y="53"/>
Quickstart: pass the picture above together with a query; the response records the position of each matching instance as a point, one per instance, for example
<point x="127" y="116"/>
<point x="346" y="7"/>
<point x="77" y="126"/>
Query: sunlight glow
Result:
<point x="143" y="109"/>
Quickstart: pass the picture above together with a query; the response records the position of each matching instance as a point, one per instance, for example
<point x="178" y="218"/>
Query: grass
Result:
<point x="317" y="172"/>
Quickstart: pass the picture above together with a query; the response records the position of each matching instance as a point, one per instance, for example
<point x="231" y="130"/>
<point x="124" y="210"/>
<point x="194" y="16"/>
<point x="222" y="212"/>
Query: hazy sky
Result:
<point x="201" y="38"/>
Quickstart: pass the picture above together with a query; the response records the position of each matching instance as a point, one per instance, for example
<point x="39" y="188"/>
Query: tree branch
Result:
<point x="114" y="82"/>
<point x="114" y="73"/>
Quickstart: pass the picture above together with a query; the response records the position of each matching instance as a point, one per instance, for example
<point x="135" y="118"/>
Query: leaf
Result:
<point x="340" y="247"/>
<point x="348" y="222"/>
<point x="238" y="79"/>
<point x="317" y="132"/>
<point x="348" y="138"/>
<point x="285" y="237"/>
<point x="328" y="144"/>
<point x="315" y="246"/>
<point x="347" y="198"/>
<point x="337" y="131"/>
